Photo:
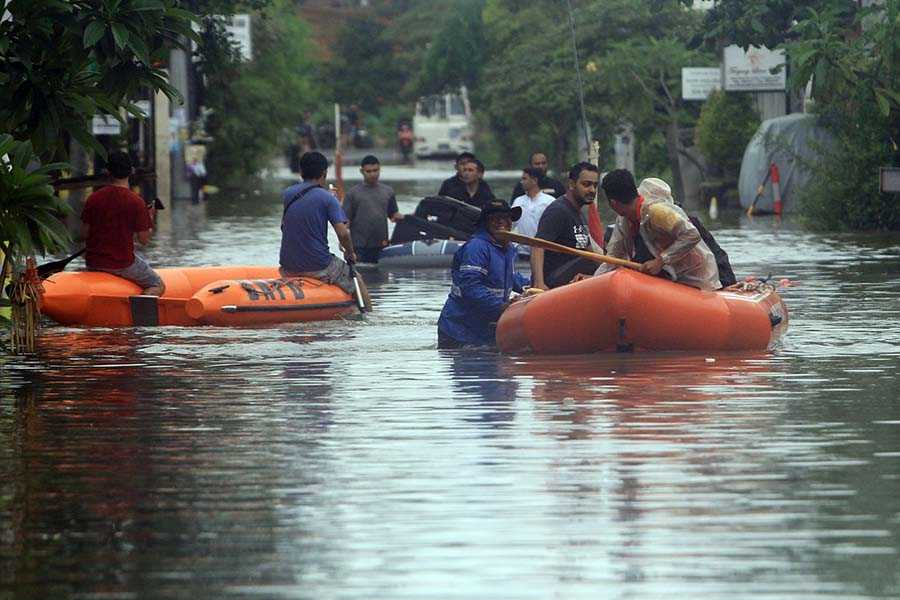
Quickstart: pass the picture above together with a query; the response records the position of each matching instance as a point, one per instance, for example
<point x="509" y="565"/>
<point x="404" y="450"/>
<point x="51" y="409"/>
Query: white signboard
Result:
<point x="105" y="125"/>
<point x="751" y="71"/>
<point x="697" y="83"/>
<point x="889" y="179"/>
<point x="237" y="27"/>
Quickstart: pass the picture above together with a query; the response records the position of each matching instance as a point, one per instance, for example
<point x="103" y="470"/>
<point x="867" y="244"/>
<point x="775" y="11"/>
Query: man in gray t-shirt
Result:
<point x="368" y="206"/>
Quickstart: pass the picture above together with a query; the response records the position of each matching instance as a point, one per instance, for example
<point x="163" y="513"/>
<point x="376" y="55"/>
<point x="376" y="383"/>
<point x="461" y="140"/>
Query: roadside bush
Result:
<point x="843" y="192"/>
<point x="726" y="124"/>
<point x="256" y="105"/>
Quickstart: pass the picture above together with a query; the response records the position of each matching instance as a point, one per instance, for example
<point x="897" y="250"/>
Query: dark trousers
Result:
<point x="446" y="342"/>
<point x="564" y="273"/>
<point x="367" y="255"/>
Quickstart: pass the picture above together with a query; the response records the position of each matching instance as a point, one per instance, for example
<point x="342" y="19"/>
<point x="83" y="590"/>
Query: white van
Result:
<point x="442" y="125"/>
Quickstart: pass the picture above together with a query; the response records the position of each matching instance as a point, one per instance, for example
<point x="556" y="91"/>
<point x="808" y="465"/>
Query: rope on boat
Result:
<point x="25" y="296"/>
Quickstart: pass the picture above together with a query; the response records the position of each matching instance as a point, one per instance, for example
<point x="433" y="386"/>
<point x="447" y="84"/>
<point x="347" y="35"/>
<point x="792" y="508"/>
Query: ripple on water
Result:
<point x="355" y="460"/>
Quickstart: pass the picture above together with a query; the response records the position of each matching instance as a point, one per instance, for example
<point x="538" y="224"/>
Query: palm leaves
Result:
<point x="29" y="210"/>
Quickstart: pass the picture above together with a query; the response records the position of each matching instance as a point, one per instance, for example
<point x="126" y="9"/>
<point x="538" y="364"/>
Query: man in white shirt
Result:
<point x="533" y="203"/>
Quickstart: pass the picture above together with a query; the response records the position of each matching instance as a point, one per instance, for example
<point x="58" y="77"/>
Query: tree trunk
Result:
<point x="81" y="165"/>
<point x="672" y="145"/>
<point x="559" y="152"/>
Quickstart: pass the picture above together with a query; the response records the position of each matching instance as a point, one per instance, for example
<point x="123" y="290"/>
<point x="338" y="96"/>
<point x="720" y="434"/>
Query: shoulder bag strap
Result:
<point x="296" y="197"/>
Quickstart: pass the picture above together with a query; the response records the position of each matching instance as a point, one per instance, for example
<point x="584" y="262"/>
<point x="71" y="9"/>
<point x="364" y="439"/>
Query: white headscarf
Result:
<point x="654" y="189"/>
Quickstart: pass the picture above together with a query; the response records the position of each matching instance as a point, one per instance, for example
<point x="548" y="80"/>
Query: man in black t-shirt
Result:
<point x="550" y="186"/>
<point x="468" y="187"/>
<point x="563" y="223"/>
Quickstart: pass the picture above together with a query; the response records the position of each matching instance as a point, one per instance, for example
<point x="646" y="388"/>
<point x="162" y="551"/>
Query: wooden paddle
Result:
<point x="47" y="269"/>
<point x="509" y="236"/>
<point x="759" y="192"/>
<point x="362" y="300"/>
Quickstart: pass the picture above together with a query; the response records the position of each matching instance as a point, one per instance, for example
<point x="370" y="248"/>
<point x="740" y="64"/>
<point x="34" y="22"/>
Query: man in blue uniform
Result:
<point x="484" y="276"/>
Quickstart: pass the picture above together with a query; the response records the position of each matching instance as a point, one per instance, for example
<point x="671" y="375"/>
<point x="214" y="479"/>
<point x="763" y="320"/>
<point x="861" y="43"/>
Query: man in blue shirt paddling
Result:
<point x="308" y="208"/>
<point x="484" y="276"/>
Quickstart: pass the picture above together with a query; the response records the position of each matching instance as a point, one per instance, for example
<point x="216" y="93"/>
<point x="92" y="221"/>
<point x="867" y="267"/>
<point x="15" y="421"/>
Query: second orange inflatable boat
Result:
<point x="624" y="310"/>
<point x="194" y="296"/>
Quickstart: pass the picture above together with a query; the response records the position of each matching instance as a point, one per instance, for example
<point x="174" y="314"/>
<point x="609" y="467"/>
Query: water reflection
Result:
<point x="480" y="376"/>
<point x="354" y="459"/>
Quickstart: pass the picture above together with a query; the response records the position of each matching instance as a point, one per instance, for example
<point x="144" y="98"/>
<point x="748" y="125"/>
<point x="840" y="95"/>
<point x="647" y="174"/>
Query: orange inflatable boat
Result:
<point x="624" y="310"/>
<point x="228" y="296"/>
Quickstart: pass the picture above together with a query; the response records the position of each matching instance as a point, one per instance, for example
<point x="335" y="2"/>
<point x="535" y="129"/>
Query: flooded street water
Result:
<point x="354" y="460"/>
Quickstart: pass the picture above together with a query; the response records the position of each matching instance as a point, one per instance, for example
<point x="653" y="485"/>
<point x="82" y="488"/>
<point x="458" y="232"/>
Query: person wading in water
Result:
<point x="484" y="277"/>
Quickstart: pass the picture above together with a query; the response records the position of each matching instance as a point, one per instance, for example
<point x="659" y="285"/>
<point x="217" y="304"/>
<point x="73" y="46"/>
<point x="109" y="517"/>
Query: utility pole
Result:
<point x="180" y="79"/>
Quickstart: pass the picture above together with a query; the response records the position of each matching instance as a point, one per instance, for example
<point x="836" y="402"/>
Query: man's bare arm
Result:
<point x="537" y="268"/>
<point x="343" y="234"/>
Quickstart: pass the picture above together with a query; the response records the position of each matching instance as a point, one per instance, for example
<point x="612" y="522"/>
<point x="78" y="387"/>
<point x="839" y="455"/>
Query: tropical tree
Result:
<point x="631" y="54"/>
<point x="29" y="222"/>
<point x="456" y="55"/>
<point x="727" y="123"/>
<point x="61" y="62"/>
<point x="363" y="56"/>
<point x="410" y="31"/>
<point x="851" y="55"/>
<point x="767" y="24"/>
<point x="529" y="91"/>
<point x="644" y="76"/>
<point x="854" y="68"/>
<point x="255" y="105"/>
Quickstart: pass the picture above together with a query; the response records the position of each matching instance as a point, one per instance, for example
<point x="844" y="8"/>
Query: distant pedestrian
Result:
<point x="455" y="187"/>
<point x="533" y="202"/>
<point x="468" y="185"/>
<point x="548" y="185"/>
<point x="306" y="131"/>
<point x="112" y="218"/>
<point x="368" y="206"/>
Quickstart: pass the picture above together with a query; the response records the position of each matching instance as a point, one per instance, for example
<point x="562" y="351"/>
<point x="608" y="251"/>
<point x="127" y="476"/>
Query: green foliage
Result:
<point x="256" y="105"/>
<point x="63" y="61"/>
<point x="847" y="68"/>
<point x="843" y="192"/>
<point x="643" y="79"/>
<point x="410" y="33"/>
<point x="527" y="91"/>
<point x="766" y="23"/>
<point x="29" y="210"/>
<point x="363" y="57"/>
<point x="854" y="69"/>
<point x="651" y="156"/>
<point x="631" y="67"/>
<point x="852" y="57"/>
<point x="457" y="53"/>
<point x="383" y="124"/>
<point x="727" y="123"/>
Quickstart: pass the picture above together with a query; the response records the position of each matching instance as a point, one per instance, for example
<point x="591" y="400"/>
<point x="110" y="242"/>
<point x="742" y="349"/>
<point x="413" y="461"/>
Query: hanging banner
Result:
<point x="751" y="71"/>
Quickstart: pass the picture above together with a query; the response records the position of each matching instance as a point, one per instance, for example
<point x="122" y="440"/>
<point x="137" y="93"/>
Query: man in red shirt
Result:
<point x="112" y="217"/>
